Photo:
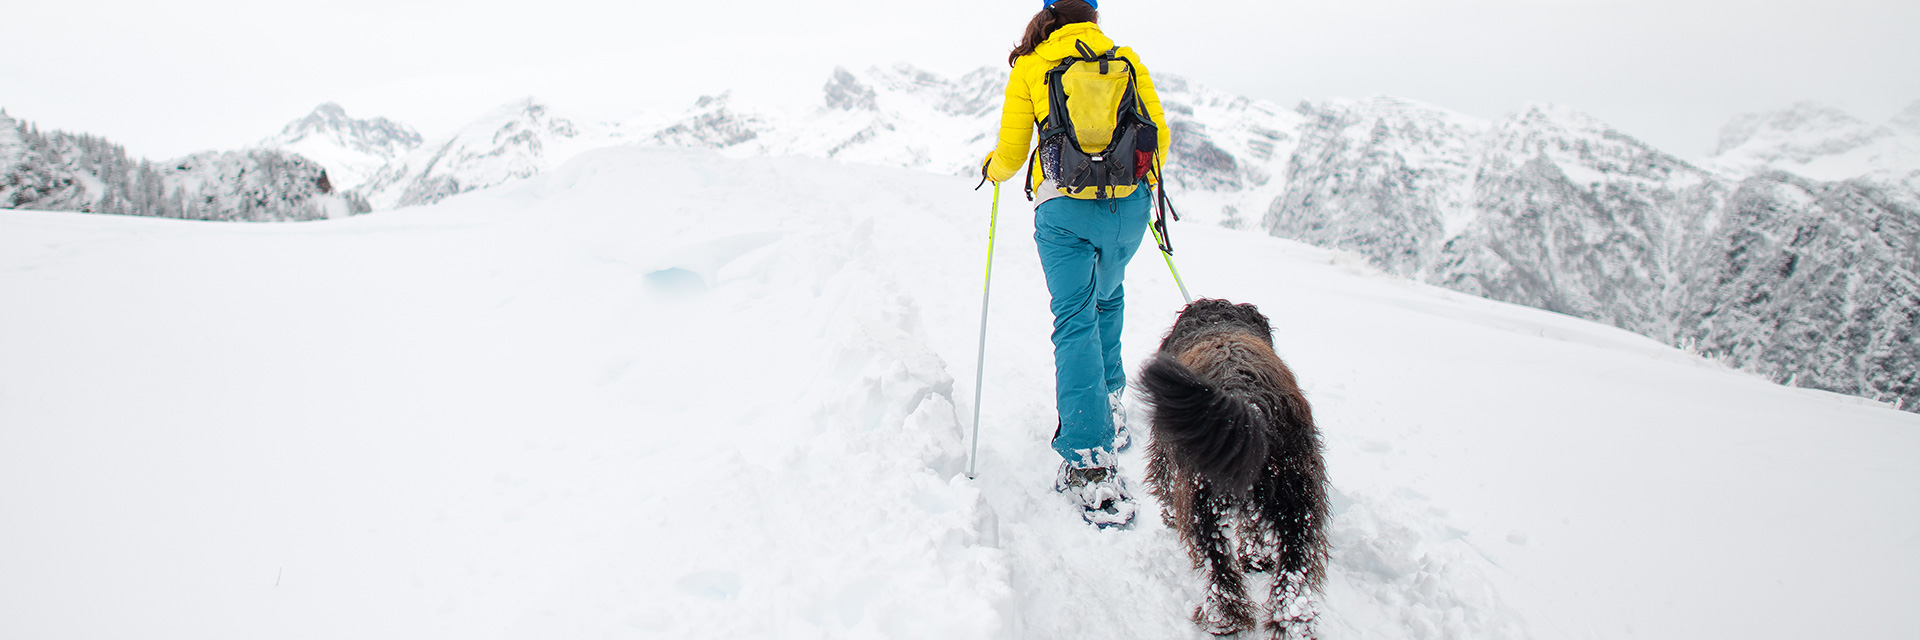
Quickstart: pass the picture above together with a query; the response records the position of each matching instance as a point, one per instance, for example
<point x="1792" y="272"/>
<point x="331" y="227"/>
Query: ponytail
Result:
<point x="1059" y="14"/>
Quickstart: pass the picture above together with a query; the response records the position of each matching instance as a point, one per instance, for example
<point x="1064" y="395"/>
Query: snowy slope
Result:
<point x="632" y="397"/>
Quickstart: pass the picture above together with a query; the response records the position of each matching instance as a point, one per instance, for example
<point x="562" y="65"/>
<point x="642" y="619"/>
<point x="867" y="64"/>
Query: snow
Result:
<point x="11" y="146"/>
<point x="1820" y="142"/>
<point x="351" y="150"/>
<point x="667" y="393"/>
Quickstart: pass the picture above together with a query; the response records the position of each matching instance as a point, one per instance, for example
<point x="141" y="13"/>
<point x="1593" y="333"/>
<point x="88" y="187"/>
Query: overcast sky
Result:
<point x="172" y="77"/>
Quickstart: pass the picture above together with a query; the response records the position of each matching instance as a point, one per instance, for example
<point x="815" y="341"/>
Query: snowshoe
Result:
<point x="1100" y="492"/>
<point x="1116" y="405"/>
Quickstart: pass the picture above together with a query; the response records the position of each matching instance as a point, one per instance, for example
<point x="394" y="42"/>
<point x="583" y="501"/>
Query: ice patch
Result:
<point x="674" y="282"/>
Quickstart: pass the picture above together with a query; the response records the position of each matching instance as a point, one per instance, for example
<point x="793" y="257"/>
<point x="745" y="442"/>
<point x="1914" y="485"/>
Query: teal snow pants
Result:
<point x="1084" y="249"/>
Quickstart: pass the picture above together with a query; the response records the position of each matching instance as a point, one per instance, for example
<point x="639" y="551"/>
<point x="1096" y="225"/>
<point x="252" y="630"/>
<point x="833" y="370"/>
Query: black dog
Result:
<point x="1234" y="451"/>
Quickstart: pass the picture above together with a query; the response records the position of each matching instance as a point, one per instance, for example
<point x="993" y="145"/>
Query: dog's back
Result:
<point x="1234" y="437"/>
<point x="1221" y="396"/>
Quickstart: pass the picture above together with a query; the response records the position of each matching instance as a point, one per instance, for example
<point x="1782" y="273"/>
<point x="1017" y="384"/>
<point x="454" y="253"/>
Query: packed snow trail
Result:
<point x="665" y="394"/>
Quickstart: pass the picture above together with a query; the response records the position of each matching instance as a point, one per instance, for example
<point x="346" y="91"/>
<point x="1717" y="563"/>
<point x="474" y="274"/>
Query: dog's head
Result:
<point x="1209" y="316"/>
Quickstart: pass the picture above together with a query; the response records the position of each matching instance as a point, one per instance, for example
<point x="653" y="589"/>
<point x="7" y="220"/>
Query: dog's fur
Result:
<point x="1234" y="451"/>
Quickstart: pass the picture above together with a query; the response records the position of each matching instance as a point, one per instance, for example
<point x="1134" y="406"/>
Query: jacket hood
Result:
<point x="1060" y="44"/>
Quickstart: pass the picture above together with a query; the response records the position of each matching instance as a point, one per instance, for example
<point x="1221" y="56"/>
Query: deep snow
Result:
<point x="664" y="393"/>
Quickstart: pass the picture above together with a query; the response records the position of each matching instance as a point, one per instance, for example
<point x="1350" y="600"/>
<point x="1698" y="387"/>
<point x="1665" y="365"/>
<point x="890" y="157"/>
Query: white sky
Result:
<point x="172" y="77"/>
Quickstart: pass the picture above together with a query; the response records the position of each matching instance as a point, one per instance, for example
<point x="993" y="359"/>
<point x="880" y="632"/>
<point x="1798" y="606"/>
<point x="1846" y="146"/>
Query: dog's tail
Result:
<point x="1205" y="428"/>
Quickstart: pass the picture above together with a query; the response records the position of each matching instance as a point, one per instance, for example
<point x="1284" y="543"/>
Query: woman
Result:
<point x="1085" y="245"/>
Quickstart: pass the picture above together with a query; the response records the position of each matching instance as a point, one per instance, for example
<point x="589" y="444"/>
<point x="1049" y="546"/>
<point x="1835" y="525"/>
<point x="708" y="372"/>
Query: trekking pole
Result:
<point x="980" y="367"/>
<point x="1167" y="253"/>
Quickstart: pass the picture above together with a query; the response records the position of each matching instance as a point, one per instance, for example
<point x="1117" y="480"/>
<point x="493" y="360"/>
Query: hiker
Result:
<point x="1085" y="238"/>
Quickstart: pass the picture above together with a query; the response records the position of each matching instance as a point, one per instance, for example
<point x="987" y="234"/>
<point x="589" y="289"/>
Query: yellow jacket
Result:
<point x="1026" y="103"/>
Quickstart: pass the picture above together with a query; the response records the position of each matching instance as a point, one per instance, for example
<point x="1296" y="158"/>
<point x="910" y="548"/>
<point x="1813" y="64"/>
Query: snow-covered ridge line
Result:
<point x="1807" y="213"/>
<point x="1233" y="151"/>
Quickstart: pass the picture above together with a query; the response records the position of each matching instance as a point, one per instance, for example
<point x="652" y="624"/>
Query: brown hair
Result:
<point x="1050" y="19"/>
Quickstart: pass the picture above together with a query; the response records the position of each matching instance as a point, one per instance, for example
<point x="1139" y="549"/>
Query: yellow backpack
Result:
<point x="1097" y="140"/>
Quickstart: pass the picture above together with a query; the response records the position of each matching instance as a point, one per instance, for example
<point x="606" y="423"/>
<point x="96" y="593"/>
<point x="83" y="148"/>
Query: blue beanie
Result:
<point x="1048" y="3"/>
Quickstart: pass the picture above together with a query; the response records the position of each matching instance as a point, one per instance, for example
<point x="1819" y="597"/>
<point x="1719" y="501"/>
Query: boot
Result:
<point x="1099" y="491"/>
<point x="1116" y="405"/>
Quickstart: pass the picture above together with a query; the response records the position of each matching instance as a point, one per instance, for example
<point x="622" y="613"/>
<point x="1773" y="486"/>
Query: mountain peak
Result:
<point x="1559" y="116"/>
<point x="1569" y="120"/>
<point x="1803" y="118"/>
<point x="350" y="149"/>
<point x="331" y="120"/>
<point x="846" y="93"/>
<point x="1908" y="119"/>
<point x="523" y="116"/>
<point x="523" y="106"/>
<point x="329" y="111"/>
<point x="909" y="77"/>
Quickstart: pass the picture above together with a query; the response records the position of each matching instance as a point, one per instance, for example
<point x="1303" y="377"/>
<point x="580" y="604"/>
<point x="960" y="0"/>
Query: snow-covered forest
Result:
<point x="60" y="171"/>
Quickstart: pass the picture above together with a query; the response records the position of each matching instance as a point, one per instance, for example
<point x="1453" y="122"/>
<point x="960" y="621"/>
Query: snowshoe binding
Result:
<point x="1100" y="492"/>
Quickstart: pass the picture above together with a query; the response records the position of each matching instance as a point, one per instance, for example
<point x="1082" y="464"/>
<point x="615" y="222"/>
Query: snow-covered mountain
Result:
<point x="1228" y="154"/>
<point x="1553" y="209"/>
<point x="1546" y="206"/>
<point x="56" y="170"/>
<point x="1793" y="251"/>
<point x="1382" y="176"/>
<point x="516" y="140"/>
<point x="1822" y="143"/>
<point x="352" y="150"/>
<point x="1570" y="215"/>
<point x="745" y="418"/>
<point x="899" y="116"/>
